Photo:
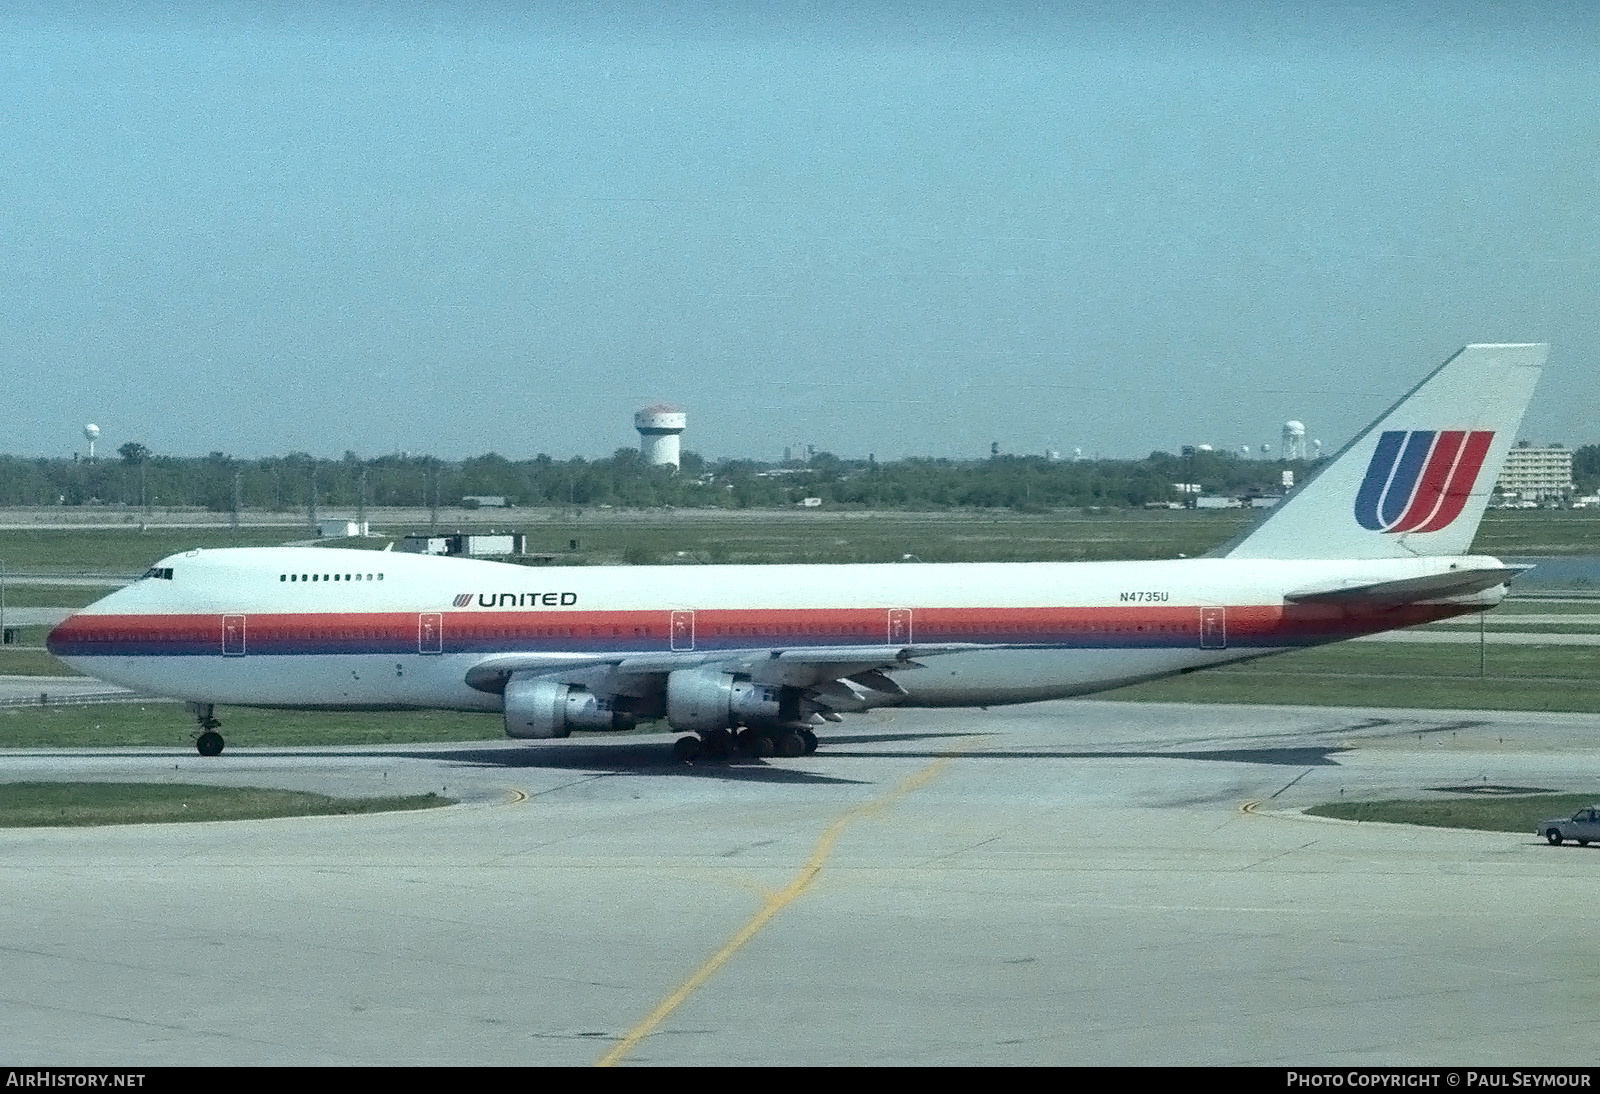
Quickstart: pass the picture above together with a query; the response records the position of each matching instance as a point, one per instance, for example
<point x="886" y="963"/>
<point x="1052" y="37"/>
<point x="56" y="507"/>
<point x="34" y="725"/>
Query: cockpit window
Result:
<point x="162" y="572"/>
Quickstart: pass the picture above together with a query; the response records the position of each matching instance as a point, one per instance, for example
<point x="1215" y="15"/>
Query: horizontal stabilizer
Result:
<point x="1412" y="589"/>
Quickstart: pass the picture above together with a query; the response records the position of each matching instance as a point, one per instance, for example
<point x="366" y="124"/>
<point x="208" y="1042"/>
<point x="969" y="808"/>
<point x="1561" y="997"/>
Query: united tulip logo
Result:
<point x="1419" y="480"/>
<point x="463" y="600"/>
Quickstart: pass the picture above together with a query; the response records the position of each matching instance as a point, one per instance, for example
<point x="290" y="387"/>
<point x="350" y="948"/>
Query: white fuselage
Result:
<point x="332" y="628"/>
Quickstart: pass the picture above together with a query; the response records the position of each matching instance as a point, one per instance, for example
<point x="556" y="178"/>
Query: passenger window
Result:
<point x="283" y="577"/>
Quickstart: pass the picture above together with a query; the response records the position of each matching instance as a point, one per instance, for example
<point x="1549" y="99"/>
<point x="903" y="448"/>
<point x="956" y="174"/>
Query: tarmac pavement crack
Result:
<point x="174" y="1027"/>
<point x="1291" y="782"/>
<point x="954" y="852"/>
<point x="1279" y="855"/>
<point x="571" y="784"/>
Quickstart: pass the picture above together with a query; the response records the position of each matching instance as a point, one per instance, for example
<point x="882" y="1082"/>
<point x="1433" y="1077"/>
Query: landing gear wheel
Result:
<point x="715" y="744"/>
<point x="209" y="743"/>
<point x="788" y="744"/>
<point x="1554" y="836"/>
<point x="685" y="749"/>
<point x="810" y="739"/>
<point x="752" y="742"/>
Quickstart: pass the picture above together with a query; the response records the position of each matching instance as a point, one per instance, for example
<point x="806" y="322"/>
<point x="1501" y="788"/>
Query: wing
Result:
<point x="830" y="678"/>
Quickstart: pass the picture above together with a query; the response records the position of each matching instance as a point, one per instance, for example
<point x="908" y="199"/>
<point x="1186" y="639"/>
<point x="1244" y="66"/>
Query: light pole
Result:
<point x="2" y="599"/>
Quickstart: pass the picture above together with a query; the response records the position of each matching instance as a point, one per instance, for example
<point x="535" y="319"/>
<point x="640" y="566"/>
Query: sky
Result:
<point x="897" y="229"/>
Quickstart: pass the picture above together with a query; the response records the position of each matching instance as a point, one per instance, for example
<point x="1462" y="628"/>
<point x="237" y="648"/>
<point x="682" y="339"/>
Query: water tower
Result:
<point x="91" y="433"/>
<point x="659" y="427"/>
<point x="1294" y="440"/>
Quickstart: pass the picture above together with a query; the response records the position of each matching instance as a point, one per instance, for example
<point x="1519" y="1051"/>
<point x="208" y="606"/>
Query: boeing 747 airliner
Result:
<point x="756" y="657"/>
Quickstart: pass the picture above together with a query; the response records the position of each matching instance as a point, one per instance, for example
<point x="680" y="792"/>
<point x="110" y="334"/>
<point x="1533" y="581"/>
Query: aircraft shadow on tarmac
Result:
<point x="1286" y="756"/>
<point x="1321" y="756"/>
<point x="656" y="756"/>
<point x="623" y="759"/>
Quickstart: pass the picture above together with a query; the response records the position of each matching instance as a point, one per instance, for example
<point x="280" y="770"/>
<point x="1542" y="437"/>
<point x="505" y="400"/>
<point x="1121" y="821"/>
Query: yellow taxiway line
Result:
<point x="775" y="904"/>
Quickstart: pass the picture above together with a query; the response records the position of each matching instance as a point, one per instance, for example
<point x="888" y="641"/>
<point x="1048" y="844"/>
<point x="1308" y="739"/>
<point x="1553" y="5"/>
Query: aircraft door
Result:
<point x="683" y="630"/>
<point x="1213" y="628"/>
<point x="430" y="633"/>
<point x="899" y="626"/>
<point x="233" y="636"/>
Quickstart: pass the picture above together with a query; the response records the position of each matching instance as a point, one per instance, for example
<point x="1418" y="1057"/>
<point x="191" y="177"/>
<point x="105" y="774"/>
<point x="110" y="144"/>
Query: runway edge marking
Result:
<point x="775" y="904"/>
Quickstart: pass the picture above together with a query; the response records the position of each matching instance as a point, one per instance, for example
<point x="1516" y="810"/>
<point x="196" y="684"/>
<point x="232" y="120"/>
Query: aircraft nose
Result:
<point x="60" y="637"/>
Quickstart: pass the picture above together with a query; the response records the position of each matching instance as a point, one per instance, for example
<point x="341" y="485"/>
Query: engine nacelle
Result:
<point x="699" y="700"/>
<point x="541" y="708"/>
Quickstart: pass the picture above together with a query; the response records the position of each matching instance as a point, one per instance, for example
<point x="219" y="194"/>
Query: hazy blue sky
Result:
<point x="904" y="229"/>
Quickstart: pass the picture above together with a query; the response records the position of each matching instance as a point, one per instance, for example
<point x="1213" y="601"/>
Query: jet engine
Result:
<point x="539" y="707"/>
<point x="699" y="700"/>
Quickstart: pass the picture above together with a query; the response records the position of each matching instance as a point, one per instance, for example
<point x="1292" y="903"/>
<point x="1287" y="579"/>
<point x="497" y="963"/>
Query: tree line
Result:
<point x="138" y="477"/>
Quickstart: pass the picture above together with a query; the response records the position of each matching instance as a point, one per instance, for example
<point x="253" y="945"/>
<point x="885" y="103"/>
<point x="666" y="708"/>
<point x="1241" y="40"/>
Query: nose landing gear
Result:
<point x="207" y="742"/>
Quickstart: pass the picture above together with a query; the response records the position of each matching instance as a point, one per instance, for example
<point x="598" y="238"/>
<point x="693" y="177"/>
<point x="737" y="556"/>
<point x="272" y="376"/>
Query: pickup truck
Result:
<point x="1583" y="826"/>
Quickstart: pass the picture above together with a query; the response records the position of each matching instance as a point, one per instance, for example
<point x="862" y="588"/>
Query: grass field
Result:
<point x="1381" y="675"/>
<point x="117" y="549"/>
<point x="1498" y="625"/>
<point x="1489" y="813"/>
<point x="773" y="537"/>
<point x="32" y="662"/>
<point x="54" y="596"/>
<point x="1522" y="532"/>
<point x="1514" y="606"/>
<point x="34" y="804"/>
<point x="168" y="724"/>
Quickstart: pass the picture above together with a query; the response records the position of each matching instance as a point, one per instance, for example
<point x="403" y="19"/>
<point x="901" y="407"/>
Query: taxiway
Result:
<point x="1077" y="882"/>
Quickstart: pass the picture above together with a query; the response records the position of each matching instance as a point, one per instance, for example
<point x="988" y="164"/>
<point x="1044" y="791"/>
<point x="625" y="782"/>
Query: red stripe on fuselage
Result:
<point x="494" y="631"/>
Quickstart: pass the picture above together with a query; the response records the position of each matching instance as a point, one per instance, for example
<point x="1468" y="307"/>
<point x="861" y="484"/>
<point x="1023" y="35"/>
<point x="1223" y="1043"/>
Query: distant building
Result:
<point x="486" y="501"/>
<point x="339" y="529"/>
<point x="470" y="544"/>
<point x="659" y="428"/>
<point x="425" y="545"/>
<point x="1535" y="473"/>
<point x="1259" y="501"/>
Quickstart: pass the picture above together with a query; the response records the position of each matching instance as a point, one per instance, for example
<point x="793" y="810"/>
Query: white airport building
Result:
<point x="1536" y="473"/>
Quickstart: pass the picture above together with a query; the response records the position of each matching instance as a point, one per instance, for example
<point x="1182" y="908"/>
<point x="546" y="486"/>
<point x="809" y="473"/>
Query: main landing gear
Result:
<point x="721" y="744"/>
<point x="207" y="742"/>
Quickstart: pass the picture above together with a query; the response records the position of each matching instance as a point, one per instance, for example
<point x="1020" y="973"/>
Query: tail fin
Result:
<point x="1417" y="480"/>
